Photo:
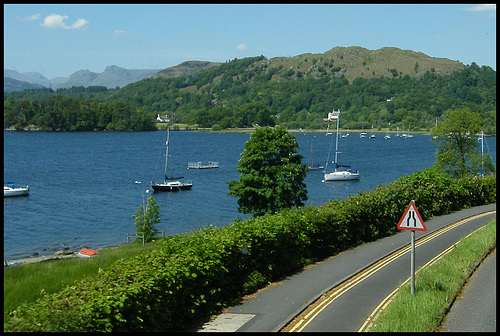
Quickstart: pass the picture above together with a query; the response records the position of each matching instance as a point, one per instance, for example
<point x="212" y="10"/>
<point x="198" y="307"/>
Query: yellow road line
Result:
<point x="339" y="290"/>
<point x="369" y="321"/>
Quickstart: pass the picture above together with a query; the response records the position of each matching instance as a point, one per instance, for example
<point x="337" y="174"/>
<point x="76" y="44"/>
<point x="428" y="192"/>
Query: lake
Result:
<point x="83" y="190"/>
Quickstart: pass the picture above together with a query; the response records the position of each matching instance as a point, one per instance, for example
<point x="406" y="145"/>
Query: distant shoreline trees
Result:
<point x="71" y="114"/>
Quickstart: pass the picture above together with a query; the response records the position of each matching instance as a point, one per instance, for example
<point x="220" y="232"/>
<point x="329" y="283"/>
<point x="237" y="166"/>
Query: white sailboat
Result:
<point x="10" y="190"/>
<point x="340" y="172"/>
<point x="363" y="133"/>
<point x="409" y="134"/>
<point x="170" y="184"/>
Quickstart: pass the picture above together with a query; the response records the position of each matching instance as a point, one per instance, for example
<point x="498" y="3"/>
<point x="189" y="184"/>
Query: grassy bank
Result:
<point x="436" y="286"/>
<point x="29" y="282"/>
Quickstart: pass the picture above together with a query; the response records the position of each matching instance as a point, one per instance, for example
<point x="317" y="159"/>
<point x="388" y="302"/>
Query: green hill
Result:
<point x="354" y="62"/>
<point x="382" y="87"/>
<point x="185" y="69"/>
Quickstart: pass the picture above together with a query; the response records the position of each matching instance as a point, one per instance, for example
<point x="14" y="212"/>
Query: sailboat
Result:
<point x="409" y="134"/>
<point x="340" y="172"/>
<point x="373" y="134"/>
<point x="170" y="184"/>
<point x="363" y="133"/>
<point x="314" y="166"/>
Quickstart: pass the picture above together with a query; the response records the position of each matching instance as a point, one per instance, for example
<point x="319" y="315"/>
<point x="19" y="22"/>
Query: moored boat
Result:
<point x="170" y="184"/>
<point x="203" y="165"/>
<point x="10" y="190"/>
<point x="340" y="172"/>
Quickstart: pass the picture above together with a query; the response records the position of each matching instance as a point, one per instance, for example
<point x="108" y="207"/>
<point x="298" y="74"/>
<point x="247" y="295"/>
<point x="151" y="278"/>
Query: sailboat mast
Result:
<point x="166" y="153"/>
<point x="311" y="157"/>
<point x="337" y="139"/>
<point x="482" y="151"/>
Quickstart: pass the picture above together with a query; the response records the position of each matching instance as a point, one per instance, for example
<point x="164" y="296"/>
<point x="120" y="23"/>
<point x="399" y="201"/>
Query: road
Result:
<point x="272" y="308"/>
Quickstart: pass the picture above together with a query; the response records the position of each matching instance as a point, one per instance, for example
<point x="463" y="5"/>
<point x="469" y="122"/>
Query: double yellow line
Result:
<point x="307" y="316"/>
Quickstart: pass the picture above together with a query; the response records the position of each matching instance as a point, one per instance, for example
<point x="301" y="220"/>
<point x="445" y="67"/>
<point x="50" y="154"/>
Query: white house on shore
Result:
<point x="163" y="118"/>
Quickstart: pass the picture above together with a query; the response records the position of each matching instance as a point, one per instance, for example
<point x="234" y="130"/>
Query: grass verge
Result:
<point x="436" y="286"/>
<point x="27" y="283"/>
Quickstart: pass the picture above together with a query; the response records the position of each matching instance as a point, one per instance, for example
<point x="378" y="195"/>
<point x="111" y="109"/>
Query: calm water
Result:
<point x="82" y="190"/>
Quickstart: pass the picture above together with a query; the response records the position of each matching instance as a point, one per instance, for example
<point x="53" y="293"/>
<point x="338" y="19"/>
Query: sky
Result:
<point x="58" y="40"/>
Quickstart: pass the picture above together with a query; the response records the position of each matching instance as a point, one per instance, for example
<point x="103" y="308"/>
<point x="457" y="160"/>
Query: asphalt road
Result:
<point x="272" y="308"/>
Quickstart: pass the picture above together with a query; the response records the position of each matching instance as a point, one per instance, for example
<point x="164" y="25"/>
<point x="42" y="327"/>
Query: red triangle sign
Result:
<point x="411" y="219"/>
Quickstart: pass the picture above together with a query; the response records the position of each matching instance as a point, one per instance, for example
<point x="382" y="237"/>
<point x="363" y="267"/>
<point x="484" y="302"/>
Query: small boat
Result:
<point x="409" y="134"/>
<point x="313" y="166"/>
<point x="170" y="184"/>
<point x="373" y="134"/>
<point x="11" y="190"/>
<point x="340" y="172"/>
<point x="203" y="165"/>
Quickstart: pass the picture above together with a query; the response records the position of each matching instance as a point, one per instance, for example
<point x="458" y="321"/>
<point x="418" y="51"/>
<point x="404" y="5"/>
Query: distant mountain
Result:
<point x="112" y="77"/>
<point x="10" y="85"/>
<point x="29" y="77"/>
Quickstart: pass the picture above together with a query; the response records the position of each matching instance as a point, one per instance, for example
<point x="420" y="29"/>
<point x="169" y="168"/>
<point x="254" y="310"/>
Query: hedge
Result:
<point x="191" y="276"/>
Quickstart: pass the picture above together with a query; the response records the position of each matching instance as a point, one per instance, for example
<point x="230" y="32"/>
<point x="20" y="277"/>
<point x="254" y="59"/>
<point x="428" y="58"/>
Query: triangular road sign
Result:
<point x="411" y="219"/>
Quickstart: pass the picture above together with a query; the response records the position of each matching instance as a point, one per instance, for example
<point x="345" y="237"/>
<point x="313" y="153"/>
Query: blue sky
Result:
<point x="58" y="40"/>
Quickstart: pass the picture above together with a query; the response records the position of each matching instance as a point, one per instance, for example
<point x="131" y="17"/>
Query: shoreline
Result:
<point x="251" y="129"/>
<point x="37" y="259"/>
<point x="55" y="256"/>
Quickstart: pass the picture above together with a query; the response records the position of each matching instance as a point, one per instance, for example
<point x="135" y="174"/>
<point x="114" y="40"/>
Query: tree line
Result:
<point x="58" y="113"/>
<point x="241" y="93"/>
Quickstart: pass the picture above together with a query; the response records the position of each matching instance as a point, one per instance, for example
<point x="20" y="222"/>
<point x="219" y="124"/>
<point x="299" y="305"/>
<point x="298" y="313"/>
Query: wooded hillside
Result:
<point x="381" y="87"/>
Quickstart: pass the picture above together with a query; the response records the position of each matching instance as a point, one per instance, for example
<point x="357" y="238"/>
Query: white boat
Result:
<point x="373" y="134"/>
<point x="203" y="165"/>
<point x="170" y="184"/>
<point x="409" y="134"/>
<point x="340" y="172"/>
<point x="11" y="190"/>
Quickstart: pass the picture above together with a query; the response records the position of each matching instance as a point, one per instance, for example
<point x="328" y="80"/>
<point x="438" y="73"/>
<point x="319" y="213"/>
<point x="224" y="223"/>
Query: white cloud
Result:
<point x="481" y="8"/>
<point x="56" y="21"/>
<point x="30" y="18"/>
<point x="119" y="32"/>
<point x="241" y="47"/>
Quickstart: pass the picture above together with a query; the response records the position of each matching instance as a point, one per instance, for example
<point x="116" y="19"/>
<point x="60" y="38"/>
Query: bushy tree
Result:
<point x="272" y="174"/>
<point x="146" y="218"/>
<point x="458" y="152"/>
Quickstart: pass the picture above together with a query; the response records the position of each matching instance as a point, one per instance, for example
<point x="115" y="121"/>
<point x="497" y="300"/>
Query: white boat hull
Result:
<point x="341" y="176"/>
<point x="7" y="191"/>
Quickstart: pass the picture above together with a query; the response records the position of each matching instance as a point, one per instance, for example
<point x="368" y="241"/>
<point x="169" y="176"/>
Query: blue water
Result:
<point x="83" y="190"/>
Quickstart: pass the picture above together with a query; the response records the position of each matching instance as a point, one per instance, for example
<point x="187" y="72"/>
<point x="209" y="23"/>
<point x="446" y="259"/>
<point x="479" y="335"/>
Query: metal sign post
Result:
<point x="412" y="261"/>
<point x="412" y="221"/>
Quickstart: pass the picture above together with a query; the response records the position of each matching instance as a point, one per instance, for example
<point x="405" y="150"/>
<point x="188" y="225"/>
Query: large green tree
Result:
<point x="458" y="152"/>
<point x="272" y="175"/>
